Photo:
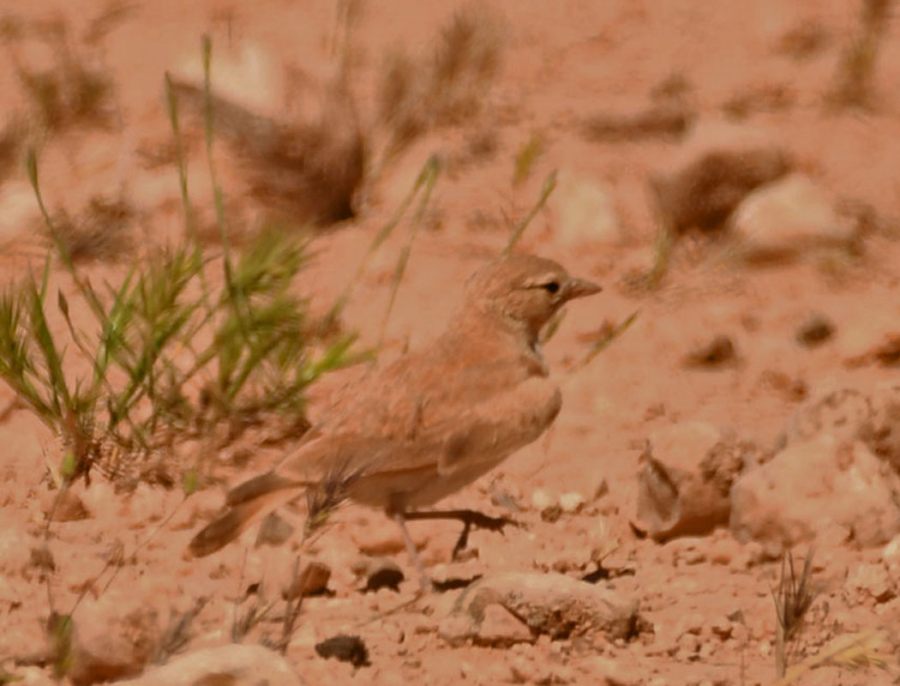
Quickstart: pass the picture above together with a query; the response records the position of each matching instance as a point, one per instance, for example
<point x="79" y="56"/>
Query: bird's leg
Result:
<point x="469" y="518"/>
<point x="424" y="580"/>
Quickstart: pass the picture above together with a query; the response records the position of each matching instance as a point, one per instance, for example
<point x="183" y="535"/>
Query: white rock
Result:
<point x="812" y="486"/>
<point x="541" y="500"/>
<point x="787" y="217"/>
<point x="114" y="637"/>
<point x="873" y="580"/>
<point x="551" y="604"/>
<point x="583" y="211"/>
<point x="233" y="664"/>
<point x="571" y="502"/>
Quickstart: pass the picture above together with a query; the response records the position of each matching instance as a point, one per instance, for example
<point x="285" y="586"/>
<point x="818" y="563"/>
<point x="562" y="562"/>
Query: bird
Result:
<point x="431" y="422"/>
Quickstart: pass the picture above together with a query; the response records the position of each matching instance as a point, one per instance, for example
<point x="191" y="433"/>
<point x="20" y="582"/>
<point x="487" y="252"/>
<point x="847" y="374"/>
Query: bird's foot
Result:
<point x="479" y="520"/>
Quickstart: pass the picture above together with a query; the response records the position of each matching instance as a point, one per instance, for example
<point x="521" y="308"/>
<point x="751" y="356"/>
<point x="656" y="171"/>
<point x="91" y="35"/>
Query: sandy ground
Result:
<point x="706" y="601"/>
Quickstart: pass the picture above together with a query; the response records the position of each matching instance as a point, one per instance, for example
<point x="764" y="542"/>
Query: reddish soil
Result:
<point x="708" y="599"/>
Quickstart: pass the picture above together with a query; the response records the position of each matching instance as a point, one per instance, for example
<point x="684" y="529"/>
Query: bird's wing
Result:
<point x="485" y="430"/>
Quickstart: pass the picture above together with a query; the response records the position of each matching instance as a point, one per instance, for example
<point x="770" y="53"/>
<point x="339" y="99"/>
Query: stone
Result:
<point x="380" y="572"/>
<point x="787" y="218"/>
<point x="891" y="556"/>
<point x="813" y="486"/>
<point x="233" y="664"/>
<point x="344" y="648"/>
<point x="114" y="637"/>
<point x="848" y="414"/>
<point x="685" y="479"/>
<point x="717" y="352"/>
<point x="32" y="676"/>
<point x="583" y="211"/>
<point x="15" y="546"/>
<point x="312" y="580"/>
<point x="541" y="500"/>
<point x="571" y="503"/>
<point x="605" y="671"/>
<point x="873" y="580"/>
<point x="715" y="168"/>
<point x="67" y="506"/>
<point x="500" y="628"/>
<point x="552" y="604"/>
<point x="816" y="330"/>
<point x="18" y="211"/>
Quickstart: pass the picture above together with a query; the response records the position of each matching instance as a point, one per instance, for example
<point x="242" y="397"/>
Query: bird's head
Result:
<point x="525" y="291"/>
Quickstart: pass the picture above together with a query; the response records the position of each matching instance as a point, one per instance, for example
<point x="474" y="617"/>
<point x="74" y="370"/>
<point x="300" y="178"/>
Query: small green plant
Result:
<point x="168" y="357"/>
<point x="519" y="228"/>
<point x="526" y="158"/>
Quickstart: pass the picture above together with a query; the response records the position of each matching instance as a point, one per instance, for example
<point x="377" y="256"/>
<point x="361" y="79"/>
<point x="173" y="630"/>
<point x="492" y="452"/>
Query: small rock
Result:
<point x="15" y="546"/>
<point x="721" y="627"/>
<point x="28" y="676"/>
<point x="551" y="514"/>
<point x="17" y="211"/>
<point x="346" y="649"/>
<point x="552" y="604"/>
<point x="541" y="500"/>
<point x="234" y="664"/>
<point x="873" y="580"/>
<point x="872" y="417"/>
<point x="685" y="479"/>
<point x="809" y="487"/>
<point x="274" y="530"/>
<point x="583" y="211"/>
<point x="786" y="218"/>
<point x="384" y="540"/>
<point x="571" y="503"/>
<point x="815" y="331"/>
<point x="606" y="672"/>
<point x="713" y="171"/>
<point x="114" y="637"/>
<point x="381" y="572"/>
<point x="500" y="628"/>
<point x="717" y="352"/>
<point x="891" y="553"/>
<point x="67" y="506"/>
<point x="312" y="580"/>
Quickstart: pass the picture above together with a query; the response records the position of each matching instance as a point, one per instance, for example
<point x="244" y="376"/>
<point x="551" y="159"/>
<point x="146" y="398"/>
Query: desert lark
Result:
<point x="434" y="420"/>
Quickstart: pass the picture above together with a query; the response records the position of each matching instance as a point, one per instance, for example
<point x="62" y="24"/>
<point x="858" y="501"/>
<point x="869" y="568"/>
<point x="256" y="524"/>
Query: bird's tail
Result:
<point x="244" y="505"/>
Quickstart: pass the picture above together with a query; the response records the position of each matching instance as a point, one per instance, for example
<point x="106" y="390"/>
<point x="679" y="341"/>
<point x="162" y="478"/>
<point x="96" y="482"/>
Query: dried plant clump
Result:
<point x="101" y="231"/>
<point x="310" y="172"/>
<point x="70" y="94"/>
<point x="324" y="498"/>
<point x="793" y="597"/>
<point x="853" y="87"/>
<point x="10" y="144"/>
<point x="447" y="88"/>
<point x="178" y="634"/>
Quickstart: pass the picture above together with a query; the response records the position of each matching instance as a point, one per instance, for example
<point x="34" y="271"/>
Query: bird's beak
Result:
<point x="580" y="288"/>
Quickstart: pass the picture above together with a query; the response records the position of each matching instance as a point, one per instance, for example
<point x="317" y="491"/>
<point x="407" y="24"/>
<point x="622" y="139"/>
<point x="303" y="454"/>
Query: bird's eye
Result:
<point x="551" y="286"/>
